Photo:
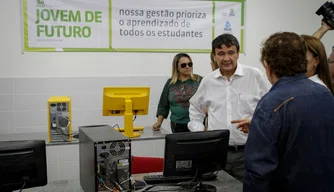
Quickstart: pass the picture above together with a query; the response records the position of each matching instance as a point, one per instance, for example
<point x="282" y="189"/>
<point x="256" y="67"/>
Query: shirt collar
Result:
<point x="285" y="79"/>
<point x="239" y="71"/>
<point x="179" y="81"/>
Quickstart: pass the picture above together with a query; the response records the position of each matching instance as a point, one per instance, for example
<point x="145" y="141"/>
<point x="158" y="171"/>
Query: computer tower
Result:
<point x="105" y="159"/>
<point x="59" y="119"/>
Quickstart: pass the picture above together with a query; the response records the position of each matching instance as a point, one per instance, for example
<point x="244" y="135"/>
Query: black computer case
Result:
<point x="105" y="159"/>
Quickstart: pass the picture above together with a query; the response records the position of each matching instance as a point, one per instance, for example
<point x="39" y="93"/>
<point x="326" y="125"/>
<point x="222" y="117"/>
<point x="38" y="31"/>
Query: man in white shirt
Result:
<point x="228" y="93"/>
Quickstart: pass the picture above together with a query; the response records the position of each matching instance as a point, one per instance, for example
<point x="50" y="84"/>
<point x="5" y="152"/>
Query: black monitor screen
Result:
<point x="22" y="164"/>
<point x="192" y="153"/>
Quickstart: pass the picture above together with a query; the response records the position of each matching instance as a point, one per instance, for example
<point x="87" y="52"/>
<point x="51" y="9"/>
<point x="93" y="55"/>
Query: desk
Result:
<point x="224" y="183"/>
<point x="147" y="134"/>
<point x="63" y="157"/>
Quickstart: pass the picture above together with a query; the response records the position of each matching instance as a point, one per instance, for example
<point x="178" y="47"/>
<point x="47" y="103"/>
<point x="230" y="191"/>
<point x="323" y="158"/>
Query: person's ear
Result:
<point x="269" y="72"/>
<point x="213" y="56"/>
<point x="317" y="60"/>
<point x="267" y="67"/>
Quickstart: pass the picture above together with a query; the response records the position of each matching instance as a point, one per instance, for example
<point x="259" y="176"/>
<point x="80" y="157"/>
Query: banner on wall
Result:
<point x="129" y="25"/>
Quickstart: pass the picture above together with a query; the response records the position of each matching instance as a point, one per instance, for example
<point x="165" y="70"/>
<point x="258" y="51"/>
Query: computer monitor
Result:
<point x="196" y="153"/>
<point x="22" y="165"/>
<point x="127" y="102"/>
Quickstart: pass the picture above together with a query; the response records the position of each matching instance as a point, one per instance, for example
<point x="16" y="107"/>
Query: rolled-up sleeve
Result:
<point x="163" y="106"/>
<point x="261" y="153"/>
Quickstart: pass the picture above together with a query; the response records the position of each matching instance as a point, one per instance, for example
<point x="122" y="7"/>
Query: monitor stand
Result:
<point x="205" y="188"/>
<point x="121" y="129"/>
<point x="128" y="129"/>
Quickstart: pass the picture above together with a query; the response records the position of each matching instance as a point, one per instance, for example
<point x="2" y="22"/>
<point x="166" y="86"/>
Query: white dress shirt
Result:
<point x="316" y="79"/>
<point x="227" y="100"/>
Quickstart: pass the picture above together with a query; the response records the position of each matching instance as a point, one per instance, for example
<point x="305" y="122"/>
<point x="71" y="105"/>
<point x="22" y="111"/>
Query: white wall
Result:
<point x="28" y="79"/>
<point x="263" y="17"/>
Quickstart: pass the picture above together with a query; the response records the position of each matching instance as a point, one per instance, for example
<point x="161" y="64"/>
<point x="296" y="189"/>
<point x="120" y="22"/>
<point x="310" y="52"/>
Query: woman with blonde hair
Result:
<point x="317" y="62"/>
<point x="176" y="94"/>
<point x="214" y="64"/>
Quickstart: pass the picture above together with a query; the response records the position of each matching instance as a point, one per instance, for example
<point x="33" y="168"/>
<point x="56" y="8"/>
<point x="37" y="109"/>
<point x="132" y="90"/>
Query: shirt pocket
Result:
<point x="247" y="104"/>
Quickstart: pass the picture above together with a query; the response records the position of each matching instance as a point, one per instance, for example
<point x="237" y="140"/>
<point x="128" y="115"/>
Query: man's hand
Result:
<point x="243" y="124"/>
<point x="156" y="126"/>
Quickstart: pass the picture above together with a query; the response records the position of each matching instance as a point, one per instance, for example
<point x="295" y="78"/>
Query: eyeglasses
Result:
<point x="183" y="65"/>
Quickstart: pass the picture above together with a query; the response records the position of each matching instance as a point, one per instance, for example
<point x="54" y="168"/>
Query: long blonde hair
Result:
<point x="215" y="64"/>
<point x="175" y="72"/>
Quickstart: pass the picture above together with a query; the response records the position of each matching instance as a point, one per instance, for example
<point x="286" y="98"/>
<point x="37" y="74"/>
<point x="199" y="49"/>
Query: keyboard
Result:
<point x="156" y="179"/>
<point x="166" y="188"/>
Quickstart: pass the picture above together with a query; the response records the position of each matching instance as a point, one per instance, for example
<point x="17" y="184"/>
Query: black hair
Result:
<point x="225" y="39"/>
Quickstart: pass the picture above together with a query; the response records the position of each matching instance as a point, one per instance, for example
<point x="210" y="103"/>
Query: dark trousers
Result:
<point x="235" y="164"/>
<point x="178" y="127"/>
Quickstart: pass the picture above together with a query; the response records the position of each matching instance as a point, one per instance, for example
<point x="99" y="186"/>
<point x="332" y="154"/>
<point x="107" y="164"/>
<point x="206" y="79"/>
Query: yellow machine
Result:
<point x="59" y="119"/>
<point x="127" y="102"/>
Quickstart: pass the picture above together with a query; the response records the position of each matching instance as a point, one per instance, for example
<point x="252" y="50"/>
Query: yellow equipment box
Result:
<point x="59" y="119"/>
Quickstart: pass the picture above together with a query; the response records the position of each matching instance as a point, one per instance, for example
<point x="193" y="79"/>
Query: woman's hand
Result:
<point x="322" y="30"/>
<point x="156" y="126"/>
<point x="325" y="26"/>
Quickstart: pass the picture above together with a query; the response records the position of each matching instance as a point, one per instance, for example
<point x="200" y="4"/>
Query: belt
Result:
<point x="236" y="147"/>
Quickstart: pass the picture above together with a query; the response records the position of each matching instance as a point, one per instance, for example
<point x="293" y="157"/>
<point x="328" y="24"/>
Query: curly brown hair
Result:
<point x="285" y="53"/>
